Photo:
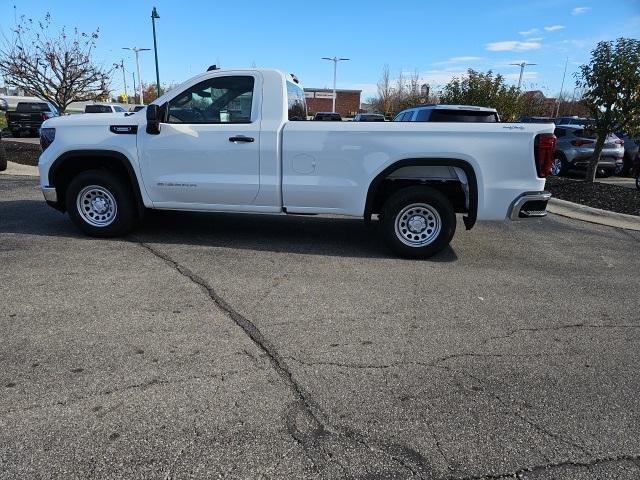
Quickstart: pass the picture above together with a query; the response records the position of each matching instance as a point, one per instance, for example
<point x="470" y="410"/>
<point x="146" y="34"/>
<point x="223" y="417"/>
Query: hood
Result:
<point x="92" y="119"/>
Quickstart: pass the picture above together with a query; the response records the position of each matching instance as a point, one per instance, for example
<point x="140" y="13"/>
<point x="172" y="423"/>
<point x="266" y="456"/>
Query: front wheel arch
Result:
<point x="71" y="163"/>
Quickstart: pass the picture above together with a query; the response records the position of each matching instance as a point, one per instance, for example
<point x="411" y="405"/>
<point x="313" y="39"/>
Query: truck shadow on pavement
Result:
<point x="311" y="235"/>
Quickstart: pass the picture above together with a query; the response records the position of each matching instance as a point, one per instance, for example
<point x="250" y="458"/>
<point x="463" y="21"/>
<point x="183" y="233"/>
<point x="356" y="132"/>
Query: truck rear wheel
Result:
<point x="101" y="204"/>
<point x="418" y="222"/>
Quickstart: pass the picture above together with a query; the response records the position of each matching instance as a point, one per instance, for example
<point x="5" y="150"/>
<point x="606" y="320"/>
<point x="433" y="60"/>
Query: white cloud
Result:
<point x="579" y="10"/>
<point x="553" y="28"/>
<point x="526" y="33"/>
<point x="459" y="60"/>
<point x="513" y="46"/>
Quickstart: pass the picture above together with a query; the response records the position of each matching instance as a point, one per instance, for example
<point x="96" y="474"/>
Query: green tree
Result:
<point x="485" y="90"/>
<point x="56" y="67"/>
<point x="611" y="84"/>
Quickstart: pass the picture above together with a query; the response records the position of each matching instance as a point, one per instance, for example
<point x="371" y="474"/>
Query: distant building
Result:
<point x="567" y="106"/>
<point x="321" y="100"/>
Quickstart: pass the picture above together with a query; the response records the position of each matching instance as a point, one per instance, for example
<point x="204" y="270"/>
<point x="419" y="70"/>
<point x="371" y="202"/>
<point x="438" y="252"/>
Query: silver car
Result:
<point x="574" y="149"/>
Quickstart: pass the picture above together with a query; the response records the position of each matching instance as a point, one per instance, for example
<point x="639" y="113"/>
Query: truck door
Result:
<point x="208" y="148"/>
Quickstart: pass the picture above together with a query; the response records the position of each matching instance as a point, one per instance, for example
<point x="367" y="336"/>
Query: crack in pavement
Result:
<point x="303" y="418"/>
<point x="436" y="363"/>
<point x="518" y="474"/>
<point x="137" y="386"/>
<point x="512" y="332"/>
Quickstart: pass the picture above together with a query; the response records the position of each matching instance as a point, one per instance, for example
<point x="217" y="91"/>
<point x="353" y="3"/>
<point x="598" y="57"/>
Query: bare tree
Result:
<point x="384" y="101"/>
<point x="57" y="68"/>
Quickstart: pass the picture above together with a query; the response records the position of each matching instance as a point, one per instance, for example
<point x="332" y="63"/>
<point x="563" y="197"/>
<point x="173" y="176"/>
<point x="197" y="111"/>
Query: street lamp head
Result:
<point x="154" y="13"/>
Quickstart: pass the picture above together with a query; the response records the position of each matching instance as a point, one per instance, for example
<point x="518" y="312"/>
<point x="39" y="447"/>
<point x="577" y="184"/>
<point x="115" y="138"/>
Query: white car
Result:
<point x="236" y="141"/>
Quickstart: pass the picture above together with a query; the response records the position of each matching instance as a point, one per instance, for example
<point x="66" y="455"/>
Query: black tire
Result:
<point x="420" y="204"/>
<point x="564" y="167"/>
<point x="15" y="133"/>
<point x="121" y="219"/>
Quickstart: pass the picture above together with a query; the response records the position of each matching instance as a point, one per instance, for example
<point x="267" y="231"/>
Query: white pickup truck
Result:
<point x="237" y="141"/>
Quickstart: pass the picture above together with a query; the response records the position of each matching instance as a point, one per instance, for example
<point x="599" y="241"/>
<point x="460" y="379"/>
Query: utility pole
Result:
<point x="124" y="79"/>
<point x="335" y="61"/>
<point x="133" y="75"/>
<point x="154" y="15"/>
<point x="562" y="87"/>
<point x="521" y="65"/>
<point x="137" y="51"/>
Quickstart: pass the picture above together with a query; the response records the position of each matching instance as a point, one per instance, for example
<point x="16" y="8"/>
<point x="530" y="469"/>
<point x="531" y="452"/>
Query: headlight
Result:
<point x="47" y="135"/>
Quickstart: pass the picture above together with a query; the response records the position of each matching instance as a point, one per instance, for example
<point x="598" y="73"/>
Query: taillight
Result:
<point x="581" y="142"/>
<point x="44" y="117"/>
<point x="544" y="149"/>
<point x="620" y="142"/>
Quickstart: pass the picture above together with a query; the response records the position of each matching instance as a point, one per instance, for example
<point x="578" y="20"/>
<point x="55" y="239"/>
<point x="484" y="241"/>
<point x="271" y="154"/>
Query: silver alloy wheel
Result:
<point x="418" y="224"/>
<point x="556" y="167"/>
<point x="97" y="206"/>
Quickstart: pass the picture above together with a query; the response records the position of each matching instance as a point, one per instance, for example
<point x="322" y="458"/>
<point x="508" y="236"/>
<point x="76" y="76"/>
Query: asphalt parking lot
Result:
<point x="221" y="346"/>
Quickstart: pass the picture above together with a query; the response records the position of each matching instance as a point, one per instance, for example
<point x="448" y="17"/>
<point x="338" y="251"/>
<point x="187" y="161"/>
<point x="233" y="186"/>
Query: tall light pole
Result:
<point x="154" y="15"/>
<point x="335" y="61"/>
<point x="521" y="65"/>
<point x="562" y="86"/>
<point x="138" y="50"/>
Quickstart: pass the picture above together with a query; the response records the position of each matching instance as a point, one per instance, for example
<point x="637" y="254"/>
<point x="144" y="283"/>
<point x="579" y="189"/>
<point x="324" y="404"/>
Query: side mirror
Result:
<point x="153" y="119"/>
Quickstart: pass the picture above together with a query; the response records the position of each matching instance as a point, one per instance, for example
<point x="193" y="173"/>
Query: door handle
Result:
<point x="241" y="138"/>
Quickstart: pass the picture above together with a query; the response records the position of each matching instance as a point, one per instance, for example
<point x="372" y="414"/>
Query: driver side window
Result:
<point x="217" y="100"/>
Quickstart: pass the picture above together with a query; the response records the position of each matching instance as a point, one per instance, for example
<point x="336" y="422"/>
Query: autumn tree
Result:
<point x="485" y="90"/>
<point x="611" y="84"/>
<point x="54" y="66"/>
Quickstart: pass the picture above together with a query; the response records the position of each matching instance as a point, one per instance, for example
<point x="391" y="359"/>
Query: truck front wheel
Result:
<point x="100" y="204"/>
<point x="418" y="222"/>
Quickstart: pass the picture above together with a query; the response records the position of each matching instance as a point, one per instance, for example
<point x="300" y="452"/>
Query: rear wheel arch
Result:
<point x="375" y="190"/>
<point x="70" y="164"/>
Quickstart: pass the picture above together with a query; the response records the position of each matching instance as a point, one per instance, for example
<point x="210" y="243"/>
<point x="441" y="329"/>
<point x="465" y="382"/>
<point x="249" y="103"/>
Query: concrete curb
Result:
<point x="593" y="215"/>
<point x="19" y="169"/>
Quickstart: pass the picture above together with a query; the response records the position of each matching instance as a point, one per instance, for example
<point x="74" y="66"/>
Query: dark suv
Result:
<point x="327" y="117"/>
<point x="369" y="117"/>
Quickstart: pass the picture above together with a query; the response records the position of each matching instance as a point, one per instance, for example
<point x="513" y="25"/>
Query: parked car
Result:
<point x="448" y="113"/>
<point x="109" y="174"/>
<point x="575" y="146"/>
<point x="369" y="117"/>
<point x="536" y="120"/>
<point x="631" y="147"/>
<point x="103" y="108"/>
<point x="3" y="155"/>
<point x="327" y="117"/>
<point x="573" y="121"/>
<point x="29" y="116"/>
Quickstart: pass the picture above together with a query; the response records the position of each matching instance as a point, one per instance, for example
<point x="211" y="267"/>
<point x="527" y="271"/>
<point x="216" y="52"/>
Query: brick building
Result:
<point x="321" y="100"/>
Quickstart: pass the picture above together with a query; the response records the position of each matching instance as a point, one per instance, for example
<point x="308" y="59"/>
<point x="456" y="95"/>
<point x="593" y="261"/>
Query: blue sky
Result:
<point x="436" y="39"/>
